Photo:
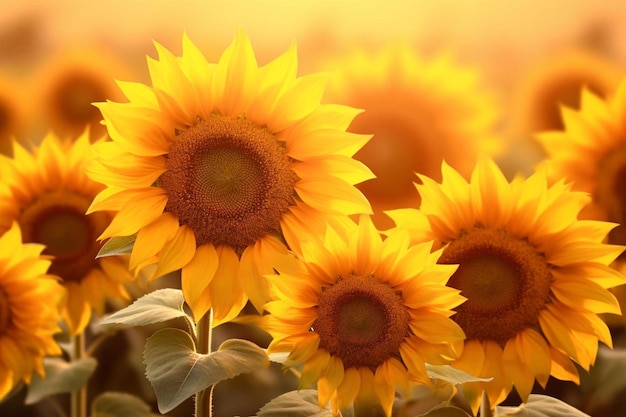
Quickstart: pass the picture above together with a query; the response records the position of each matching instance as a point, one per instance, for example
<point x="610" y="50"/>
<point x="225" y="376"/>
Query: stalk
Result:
<point x="78" y="399"/>
<point x="204" y="399"/>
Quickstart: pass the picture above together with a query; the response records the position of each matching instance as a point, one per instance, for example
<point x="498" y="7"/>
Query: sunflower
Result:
<point x="556" y="81"/>
<point x="590" y="151"/>
<point x="29" y="310"/>
<point x="363" y="315"/>
<point x="535" y="276"/>
<point x="204" y="165"/>
<point x="420" y="111"/>
<point x="65" y="87"/>
<point x="47" y="193"/>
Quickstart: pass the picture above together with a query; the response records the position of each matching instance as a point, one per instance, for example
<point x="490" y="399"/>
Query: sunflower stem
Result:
<point x="204" y="399"/>
<point x="485" y="406"/>
<point x="78" y="400"/>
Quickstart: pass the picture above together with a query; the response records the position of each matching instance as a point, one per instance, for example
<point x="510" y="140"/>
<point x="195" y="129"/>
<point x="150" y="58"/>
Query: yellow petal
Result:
<point x="298" y="100"/>
<point x="349" y="388"/>
<point x="332" y="196"/>
<point x="138" y="212"/>
<point x="327" y="385"/>
<point x="229" y="298"/>
<point x="152" y="238"/>
<point x="177" y="252"/>
<point x="236" y="77"/>
<point x="196" y="277"/>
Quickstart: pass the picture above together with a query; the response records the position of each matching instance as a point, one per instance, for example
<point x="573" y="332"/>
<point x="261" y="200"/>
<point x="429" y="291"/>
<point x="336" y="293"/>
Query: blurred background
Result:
<point x="473" y="70"/>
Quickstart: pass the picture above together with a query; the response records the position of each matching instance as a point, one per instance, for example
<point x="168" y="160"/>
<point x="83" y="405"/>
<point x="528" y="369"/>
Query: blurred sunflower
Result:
<point x="535" y="276"/>
<point x="363" y="315"/>
<point x="420" y="112"/>
<point x="66" y="87"/>
<point x="557" y="81"/>
<point x="47" y="193"/>
<point x="29" y="310"/>
<point x="205" y="164"/>
<point x="11" y="112"/>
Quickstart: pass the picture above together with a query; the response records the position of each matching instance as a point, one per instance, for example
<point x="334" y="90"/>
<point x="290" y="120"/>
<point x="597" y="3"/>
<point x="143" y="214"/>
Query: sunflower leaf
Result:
<point x="117" y="245"/>
<point x="540" y="406"/>
<point x="302" y="403"/>
<point x="603" y="383"/>
<point x="452" y="375"/>
<point x="60" y="377"/>
<point x="119" y="404"/>
<point x="156" y="307"/>
<point x="176" y="371"/>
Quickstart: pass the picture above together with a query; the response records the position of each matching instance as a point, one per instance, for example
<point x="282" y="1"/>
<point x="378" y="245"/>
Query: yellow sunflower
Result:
<point x="29" y="310"/>
<point x="47" y="193"/>
<point x="363" y="315"/>
<point x="590" y="151"/>
<point x="535" y="276"/>
<point x="64" y="89"/>
<point x="204" y="165"/>
<point x="420" y="111"/>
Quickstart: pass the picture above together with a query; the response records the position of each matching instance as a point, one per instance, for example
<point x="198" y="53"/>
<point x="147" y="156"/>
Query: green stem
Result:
<point x="78" y="400"/>
<point x="485" y="407"/>
<point x="204" y="399"/>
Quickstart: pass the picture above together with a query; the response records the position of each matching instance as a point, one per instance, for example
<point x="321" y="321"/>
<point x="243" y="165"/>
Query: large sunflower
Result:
<point x="420" y="111"/>
<point x="363" y="315"/>
<point x="535" y="276"/>
<point x="29" y="310"/>
<point x="47" y="193"/>
<point x="204" y="165"/>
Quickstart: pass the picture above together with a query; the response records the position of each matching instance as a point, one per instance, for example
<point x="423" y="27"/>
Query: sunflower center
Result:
<point x="58" y="221"/>
<point x="505" y="280"/>
<point x="72" y="98"/>
<point x="5" y="312"/>
<point x="229" y="180"/>
<point x="361" y="321"/>
<point x="611" y="192"/>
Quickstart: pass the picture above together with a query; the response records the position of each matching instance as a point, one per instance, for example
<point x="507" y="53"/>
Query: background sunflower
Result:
<point x="421" y="111"/>
<point x="47" y="193"/>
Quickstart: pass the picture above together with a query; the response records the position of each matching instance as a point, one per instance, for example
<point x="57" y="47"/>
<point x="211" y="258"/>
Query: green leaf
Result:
<point x="540" y="406"/>
<point x="117" y="245"/>
<point x="449" y="374"/>
<point x="603" y="383"/>
<point x="301" y="403"/>
<point x="446" y="411"/>
<point x="177" y="372"/>
<point x="158" y="306"/>
<point x="60" y="377"/>
<point x="119" y="404"/>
